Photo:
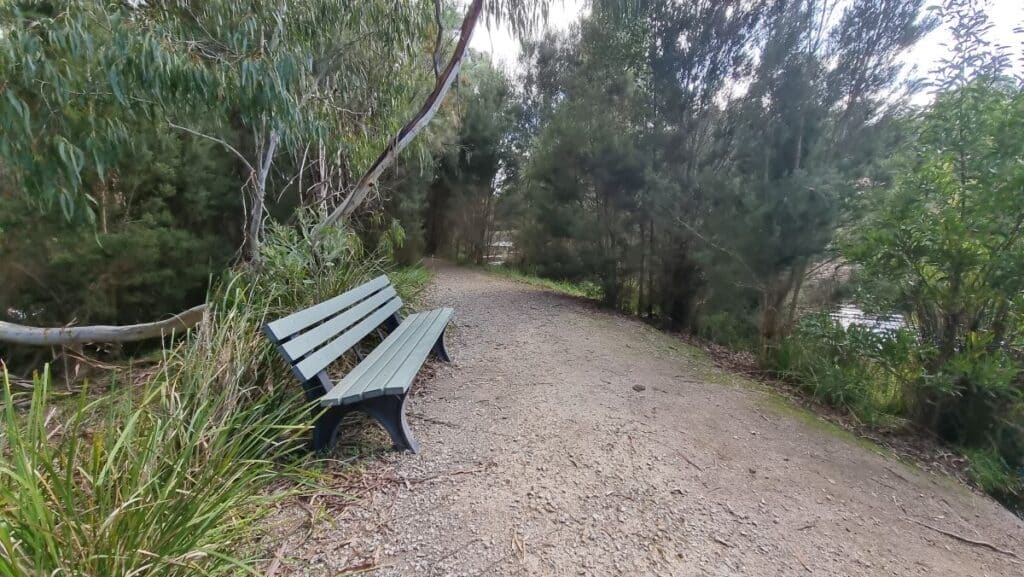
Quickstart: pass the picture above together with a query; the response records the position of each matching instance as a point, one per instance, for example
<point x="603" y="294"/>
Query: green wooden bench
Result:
<point x="313" y="338"/>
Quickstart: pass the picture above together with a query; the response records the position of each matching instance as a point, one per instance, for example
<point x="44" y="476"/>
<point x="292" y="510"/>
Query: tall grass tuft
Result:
<point x="585" y="289"/>
<point x="857" y="369"/>
<point x="170" y="476"/>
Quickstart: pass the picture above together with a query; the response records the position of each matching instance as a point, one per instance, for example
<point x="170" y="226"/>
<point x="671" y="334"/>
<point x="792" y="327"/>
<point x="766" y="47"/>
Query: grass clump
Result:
<point x="990" y="472"/>
<point x="891" y="380"/>
<point x="585" y="290"/>
<point x="865" y="372"/>
<point x="171" y="475"/>
<point x="411" y="281"/>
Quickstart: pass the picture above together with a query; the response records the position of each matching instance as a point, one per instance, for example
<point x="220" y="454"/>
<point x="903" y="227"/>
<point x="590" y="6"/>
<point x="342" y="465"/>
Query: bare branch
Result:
<point x="753" y="275"/>
<point x="218" y="141"/>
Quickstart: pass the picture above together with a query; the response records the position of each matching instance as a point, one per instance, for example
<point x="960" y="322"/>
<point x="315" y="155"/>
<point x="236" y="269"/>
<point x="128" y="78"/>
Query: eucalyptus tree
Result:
<point x="313" y="88"/>
<point x="521" y="15"/>
<point x="256" y="76"/>
<point x="325" y="73"/>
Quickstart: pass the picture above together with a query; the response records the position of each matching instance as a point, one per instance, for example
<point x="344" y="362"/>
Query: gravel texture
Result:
<point x="565" y="440"/>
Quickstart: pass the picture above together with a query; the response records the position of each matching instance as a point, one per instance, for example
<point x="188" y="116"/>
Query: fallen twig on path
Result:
<point x="890" y="469"/>
<point x="801" y="560"/>
<point x="687" y="459"/>
<point x="721" y="541"/>
<point x="887" y="485"/>
<point x="967" y="540"/>
<point x="732" y="511"/>
<point x="518" y="546"/>
<point x="455" y="550"/>
<point x="276" y="563"/>
<point x="362" y="567"/>
<point x="511" y="550"/>
<point x="406" y="481"/>
<point x="422" y="417"/>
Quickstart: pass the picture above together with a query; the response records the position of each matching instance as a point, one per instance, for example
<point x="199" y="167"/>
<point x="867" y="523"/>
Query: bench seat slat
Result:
<point x="354" y="384"/>
<point x="392" y="372"/>
<point x="372" y="384"/>
<point x="313" y="338"/>
<point x="319" y="360"/>
<point x="380" y="353"/>
<point x="399" y="381"/>
<point x="285" y="327"/>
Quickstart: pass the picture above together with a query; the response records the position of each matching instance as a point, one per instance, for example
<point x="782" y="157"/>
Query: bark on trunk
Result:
<point x="650" y="272"/>
<point x="254" y="232"/>
<point x="643" y="271"/>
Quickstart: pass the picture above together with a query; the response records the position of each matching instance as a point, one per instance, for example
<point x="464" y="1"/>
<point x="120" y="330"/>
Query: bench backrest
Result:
<point x="313" y="338"/>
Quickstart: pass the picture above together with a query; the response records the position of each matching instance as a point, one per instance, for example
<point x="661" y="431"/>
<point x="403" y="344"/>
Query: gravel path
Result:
<point x="569" y="441"/>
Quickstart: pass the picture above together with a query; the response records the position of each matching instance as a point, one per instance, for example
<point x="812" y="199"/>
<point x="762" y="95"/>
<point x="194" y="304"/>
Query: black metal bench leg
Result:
<point x="325" y="428"/>
<point x="439" y="349"/>
<point x="389" y="411"/>
<point x="392" y="322"/>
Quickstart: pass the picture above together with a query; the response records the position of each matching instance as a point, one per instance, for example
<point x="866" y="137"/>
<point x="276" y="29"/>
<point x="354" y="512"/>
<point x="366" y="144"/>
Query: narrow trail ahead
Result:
<point x="541" y="457"/>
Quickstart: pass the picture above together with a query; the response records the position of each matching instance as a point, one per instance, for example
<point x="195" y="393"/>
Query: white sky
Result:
<point x="1005" y="15"/>
<point x="504" y="49"/>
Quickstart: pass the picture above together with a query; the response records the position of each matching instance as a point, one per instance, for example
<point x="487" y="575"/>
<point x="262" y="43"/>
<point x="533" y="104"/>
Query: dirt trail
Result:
<point x="541" y="457"/>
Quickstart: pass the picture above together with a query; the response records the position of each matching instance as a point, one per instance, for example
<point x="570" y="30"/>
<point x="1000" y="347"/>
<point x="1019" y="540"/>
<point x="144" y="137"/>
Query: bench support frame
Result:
<point x="439" y="349"/>
<point x="388" y="410"/>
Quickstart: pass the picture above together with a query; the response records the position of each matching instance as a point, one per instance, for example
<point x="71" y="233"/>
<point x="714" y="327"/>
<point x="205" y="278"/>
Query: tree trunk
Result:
<point x="650" y="272"/>
<point x="254" y="231"/>
<point x="409" y="131"/>
<point x="643" y="270"/>
<point x="800" y="271"/>
<point x="773" y="297"/>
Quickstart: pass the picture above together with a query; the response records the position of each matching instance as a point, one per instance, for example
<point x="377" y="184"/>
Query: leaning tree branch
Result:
<point x="25" y="335"/>
<point x="406" y="135"/>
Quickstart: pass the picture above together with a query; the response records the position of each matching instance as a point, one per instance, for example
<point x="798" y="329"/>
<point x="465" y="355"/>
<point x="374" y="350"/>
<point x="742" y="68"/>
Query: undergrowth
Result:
<point x="170" y="476"/>
<point x="856" y="368"/>
<point x="586" y="290"/>
<point x="883" y="379"/>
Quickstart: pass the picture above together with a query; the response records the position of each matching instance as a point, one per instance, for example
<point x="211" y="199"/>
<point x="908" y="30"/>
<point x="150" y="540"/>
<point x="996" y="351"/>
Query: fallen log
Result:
<point x="59" y="336"/>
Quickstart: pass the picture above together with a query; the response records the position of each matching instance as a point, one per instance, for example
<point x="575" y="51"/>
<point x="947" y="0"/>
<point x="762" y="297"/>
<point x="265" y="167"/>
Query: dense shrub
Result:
<point x="167" y="476"/>
<point x="883" y="378"/>
<point x="867" y="372"/>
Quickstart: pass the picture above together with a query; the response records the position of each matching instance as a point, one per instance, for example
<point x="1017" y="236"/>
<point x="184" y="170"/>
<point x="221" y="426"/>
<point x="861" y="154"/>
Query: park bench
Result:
<point x="312" y="339"/>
